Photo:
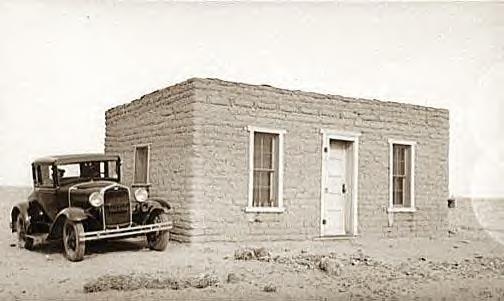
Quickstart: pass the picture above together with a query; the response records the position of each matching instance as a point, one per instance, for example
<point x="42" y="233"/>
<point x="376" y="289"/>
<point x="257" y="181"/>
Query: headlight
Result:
<point x="141" y="195"/>
<point x="96" y="199"/>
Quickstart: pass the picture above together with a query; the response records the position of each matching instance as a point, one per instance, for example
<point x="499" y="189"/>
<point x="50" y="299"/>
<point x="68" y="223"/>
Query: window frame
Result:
<point x="135" y="148"/>
<point x="412" y="145"/>
<point x="281" y="133"/>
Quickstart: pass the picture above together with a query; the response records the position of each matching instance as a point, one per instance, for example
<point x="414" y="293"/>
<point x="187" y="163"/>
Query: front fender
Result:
<point x="72" y="213"/>
<point x="159" y="203"/>
<point x="151" y="205"/>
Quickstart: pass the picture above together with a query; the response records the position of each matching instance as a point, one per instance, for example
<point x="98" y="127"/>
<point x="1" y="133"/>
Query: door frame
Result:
<point x="353" y="138"/>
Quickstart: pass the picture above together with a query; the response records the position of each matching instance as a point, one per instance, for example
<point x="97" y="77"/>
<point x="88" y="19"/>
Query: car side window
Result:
<point x="44" y="176"/>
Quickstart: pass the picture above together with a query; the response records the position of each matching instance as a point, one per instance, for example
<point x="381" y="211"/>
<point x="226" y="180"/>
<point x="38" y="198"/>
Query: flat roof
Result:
<point x="74" y="158"/>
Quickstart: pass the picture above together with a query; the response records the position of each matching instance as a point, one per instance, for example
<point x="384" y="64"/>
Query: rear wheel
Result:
<point x="23" y="241"/>
<point x="74" y="247"/>
<point x="158" y="240"/>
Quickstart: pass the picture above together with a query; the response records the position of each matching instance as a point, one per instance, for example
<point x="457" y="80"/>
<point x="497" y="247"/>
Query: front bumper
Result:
<point x="123" y="232"/>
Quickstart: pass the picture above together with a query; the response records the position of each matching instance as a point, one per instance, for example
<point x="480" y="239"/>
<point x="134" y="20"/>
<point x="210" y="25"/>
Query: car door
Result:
<point x="46" y="190"/>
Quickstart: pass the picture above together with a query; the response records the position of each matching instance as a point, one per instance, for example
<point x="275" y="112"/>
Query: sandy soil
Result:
<point x="414" y="269"/>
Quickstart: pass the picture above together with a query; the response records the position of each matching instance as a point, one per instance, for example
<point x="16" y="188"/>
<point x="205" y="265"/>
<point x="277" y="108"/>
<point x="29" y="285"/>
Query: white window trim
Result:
<point x="327" y="135"/>
<point x="252" y="130"/>
<point x="148" y="145"/>
<point x="391" y="207"/>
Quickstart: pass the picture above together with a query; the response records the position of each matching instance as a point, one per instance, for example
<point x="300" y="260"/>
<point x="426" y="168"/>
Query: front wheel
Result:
<point x="23" y="241"/>
<point x="74" y="247"/>
<point x="158" y="240"/>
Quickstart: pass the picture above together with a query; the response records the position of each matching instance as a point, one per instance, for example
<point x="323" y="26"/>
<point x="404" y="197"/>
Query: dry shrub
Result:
<point x="142" y="281"/>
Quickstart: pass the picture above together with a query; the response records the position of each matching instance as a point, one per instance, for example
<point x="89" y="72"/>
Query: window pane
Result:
<point x="69" y="171"/>
<point x="263" y="150"/>
<point x="398" y="191"/>
<point x="112" y="169"/>
<point x="399" y="160"/>
<point x="45" y="175"/>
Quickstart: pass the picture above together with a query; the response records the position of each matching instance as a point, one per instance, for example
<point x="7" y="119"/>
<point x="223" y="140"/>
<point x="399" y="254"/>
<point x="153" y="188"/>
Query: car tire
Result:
<point x="158" y="241"/>
<point x="74" y="247"/>
<point x="23" y="241"/>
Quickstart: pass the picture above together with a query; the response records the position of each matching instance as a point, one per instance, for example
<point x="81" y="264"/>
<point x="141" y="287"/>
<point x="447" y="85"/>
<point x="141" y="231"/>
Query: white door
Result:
<point x="335" y="200"/>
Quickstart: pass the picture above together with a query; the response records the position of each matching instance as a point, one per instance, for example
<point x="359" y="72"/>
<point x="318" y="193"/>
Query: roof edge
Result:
<point x="73" y="158"/>
<point x="186" y="82"/>
<point x="192" y="80"/>
<point x="315" y="94"/>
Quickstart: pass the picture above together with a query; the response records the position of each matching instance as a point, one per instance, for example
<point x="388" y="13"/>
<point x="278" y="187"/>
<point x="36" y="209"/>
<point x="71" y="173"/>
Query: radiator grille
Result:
<point x="116" y="207"/>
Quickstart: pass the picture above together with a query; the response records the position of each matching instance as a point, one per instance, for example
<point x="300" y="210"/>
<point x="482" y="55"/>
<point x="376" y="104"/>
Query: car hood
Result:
<point x="87" y="188"/>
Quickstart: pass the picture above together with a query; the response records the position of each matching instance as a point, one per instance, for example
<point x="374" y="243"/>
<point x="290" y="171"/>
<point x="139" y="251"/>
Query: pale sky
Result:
<point x="62" y="64"/>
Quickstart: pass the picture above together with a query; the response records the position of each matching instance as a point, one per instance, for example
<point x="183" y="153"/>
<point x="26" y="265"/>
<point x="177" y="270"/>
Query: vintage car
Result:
<point x="79" y="198"/>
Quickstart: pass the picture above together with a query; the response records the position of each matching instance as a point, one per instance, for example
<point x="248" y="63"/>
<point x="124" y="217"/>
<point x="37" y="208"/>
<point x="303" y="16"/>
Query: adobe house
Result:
<point x="250" y="162"/>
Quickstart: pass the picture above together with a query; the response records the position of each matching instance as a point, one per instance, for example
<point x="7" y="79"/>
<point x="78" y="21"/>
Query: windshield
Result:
<point x="96" y="170"/>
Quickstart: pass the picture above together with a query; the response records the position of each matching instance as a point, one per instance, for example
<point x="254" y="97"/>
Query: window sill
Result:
<point x="141" y="185"/>
<point x="411" y="210"/>
<point x="264" y="209"/>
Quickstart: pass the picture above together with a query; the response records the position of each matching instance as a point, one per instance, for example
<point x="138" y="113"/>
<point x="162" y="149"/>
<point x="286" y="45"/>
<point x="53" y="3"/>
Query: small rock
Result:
<point x="12" y="245"/>
<point x="270" y="288"/>
<point x="423" y="259"/>
<point x="232" y="278"/>
<point x="455" y="247"/>
<point x="331" y="266"/>
<point x="304" y="251"/>
<point x="244" y="254"/>
<point x="262" y="254"/>
<point x="465" y="242"/>
<point x="204" y="280"/>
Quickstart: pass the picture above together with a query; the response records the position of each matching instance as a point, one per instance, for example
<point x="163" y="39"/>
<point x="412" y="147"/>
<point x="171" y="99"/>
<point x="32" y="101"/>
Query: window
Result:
<point x="111" y="169"/>
<point x="92" y="170"/>
<point x="266" y="170"/>
<point x="44" y="176"/>
<point x="402" y="172"/>
<point x="141" y="165"/>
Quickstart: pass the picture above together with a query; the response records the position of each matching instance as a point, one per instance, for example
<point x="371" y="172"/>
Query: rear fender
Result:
<point x="21" y="208"/>
<point x="71" y="213"/>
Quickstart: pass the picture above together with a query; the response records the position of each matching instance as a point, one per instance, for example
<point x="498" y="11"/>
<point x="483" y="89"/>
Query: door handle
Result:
<point x="343" y="188"/>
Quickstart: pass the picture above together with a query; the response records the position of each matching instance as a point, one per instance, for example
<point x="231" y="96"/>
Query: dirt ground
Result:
<point x="454" y="268"/>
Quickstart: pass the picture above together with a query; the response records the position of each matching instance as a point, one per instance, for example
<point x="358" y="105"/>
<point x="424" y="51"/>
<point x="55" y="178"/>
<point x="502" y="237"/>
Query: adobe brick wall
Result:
<point x="199" y="157"/>
<point x="164" y="120"/>
<point x="223" y="110"/>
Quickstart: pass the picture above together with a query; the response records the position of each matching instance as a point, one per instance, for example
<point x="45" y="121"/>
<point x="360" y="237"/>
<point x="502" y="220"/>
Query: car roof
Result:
<point x="74" y="158"/>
